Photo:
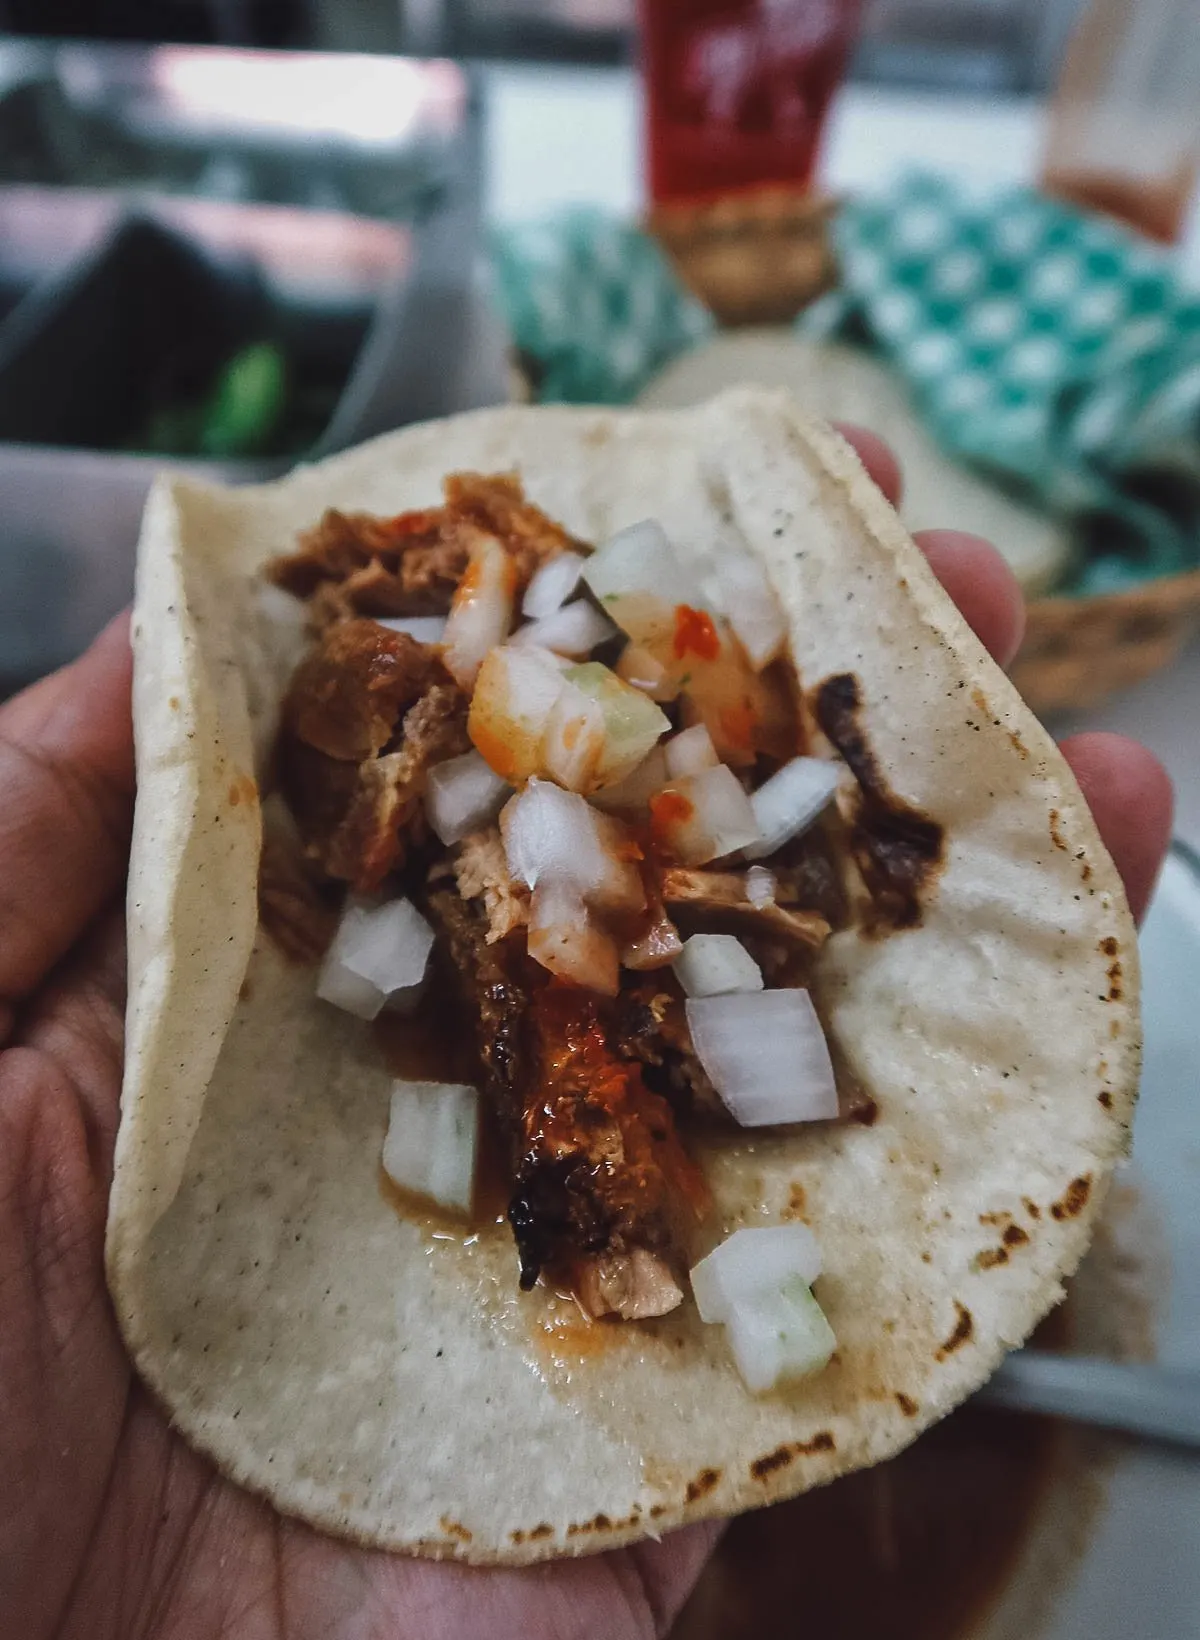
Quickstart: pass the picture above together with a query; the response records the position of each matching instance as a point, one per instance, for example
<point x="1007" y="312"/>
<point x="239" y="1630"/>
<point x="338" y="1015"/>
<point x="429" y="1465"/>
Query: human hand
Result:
<point x="110" y="1527"/>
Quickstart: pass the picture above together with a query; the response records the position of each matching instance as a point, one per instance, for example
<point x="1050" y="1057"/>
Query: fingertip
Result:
<point x="982" y="585"/>
<point x="1132" y="801"/>
<point x="876" y="456"/>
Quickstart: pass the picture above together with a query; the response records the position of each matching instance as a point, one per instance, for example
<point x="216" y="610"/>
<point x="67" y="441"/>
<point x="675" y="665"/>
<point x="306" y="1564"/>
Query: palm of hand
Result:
<point x="109" y="1525"/>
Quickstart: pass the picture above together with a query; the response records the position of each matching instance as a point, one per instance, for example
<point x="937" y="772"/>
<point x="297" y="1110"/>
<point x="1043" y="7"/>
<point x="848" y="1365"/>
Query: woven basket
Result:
<point x="752" y="259"/>
<point x="1078" y="651"/>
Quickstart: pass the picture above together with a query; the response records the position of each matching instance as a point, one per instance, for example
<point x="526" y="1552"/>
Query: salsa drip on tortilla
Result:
<point x="581" y="791"/>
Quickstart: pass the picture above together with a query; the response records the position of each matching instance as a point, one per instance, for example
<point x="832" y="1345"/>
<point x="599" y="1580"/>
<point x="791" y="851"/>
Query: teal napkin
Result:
<point x="1046" y="347"/>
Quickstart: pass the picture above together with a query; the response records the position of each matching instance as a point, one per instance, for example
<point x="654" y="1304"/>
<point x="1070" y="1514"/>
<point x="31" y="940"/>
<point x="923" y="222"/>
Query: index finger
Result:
<point x="66" y="809"/>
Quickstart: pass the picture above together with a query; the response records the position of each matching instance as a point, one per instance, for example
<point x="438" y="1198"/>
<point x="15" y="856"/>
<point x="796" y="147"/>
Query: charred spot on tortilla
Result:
<point x="899" y="850"/>
<point x="1074" y="1199"/>
<point x="702" y="1484"/>
<point x="964" y="1329"/>
<point x="906" y="1404"/>
<point x="763" y="1468"/>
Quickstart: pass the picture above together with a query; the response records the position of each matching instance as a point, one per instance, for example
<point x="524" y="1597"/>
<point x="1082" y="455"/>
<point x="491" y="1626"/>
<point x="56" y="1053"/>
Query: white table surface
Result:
<point x="560" y="137"/>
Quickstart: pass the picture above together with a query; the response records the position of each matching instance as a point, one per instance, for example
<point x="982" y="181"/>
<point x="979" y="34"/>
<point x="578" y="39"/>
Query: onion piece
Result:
<point x="552" y="837"/>
<point x="704" y="816"/>
<point x="424" y="628"/>
<point x="517" y="690"/>
<point x="779" y="1336"/>
<point x="711" y="965"/>
<point x="573" y="740"/>
<point x="766" y="1055"/>
<point x="635" y="791"/>
<point x="632" y="722"/>
<point x="552" y="584"/>
<point x="574" y="630"/>
<point x="462" y="794"/>
<point x="640" y="560"/>
<point x="789" y="802"/>
<point x="745" y="594"/>
<point x="377" y="951"/>
<point x="481" y="611"/>
<point x="564" y="939"/>
<point x="431" y="1141"/>
<point x="751" y="1262"/>
<point x="761" y="887"/>
<point x="641" y="668"/>
<point x="690" y="752"/>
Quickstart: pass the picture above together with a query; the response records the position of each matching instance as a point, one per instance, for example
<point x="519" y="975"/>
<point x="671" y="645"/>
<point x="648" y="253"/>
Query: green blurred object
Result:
<point x="1051" y="350"/>
<point x="247" y="404"/>
<point x="242" y="414"/>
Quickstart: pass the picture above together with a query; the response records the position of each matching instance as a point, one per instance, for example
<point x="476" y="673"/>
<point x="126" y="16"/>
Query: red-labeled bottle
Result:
<point x="737" y="92"/>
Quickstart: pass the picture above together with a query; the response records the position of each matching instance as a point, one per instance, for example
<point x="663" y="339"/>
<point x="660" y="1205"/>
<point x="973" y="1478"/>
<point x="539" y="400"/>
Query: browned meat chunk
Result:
<point x="635" y="1286"/>
<point x="347" y="695"/>
<point x="651" y="1027"/>
<point x="497" y="504"/>
<point x="355" y="564"/>
<point x="291" y="908"/>
<point x="719" y="899"/>
<point x="598" y="1166"/>
<point x="357" y="810"/>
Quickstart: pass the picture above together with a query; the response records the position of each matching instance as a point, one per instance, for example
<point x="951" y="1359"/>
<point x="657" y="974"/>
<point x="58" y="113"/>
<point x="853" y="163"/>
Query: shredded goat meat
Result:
<point x="356" y="564"/>
<point x="481" y="871"/>
<point x="367" y="715"/>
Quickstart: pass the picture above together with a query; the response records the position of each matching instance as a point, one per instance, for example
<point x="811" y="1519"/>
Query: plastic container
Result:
<point x="737" y="92"/>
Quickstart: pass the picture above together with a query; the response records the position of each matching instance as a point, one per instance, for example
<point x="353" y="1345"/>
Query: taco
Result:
<point x="630" y="1017"/>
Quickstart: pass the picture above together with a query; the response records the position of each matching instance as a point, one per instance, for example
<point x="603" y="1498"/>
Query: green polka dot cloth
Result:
<point x="1049" y="348"/>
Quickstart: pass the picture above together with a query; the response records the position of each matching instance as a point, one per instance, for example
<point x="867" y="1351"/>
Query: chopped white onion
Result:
<point x="533" y="713"/>
<point x="638" y="666"/>
<point x="564" y="939"/>
<point x="573" y="741"/>
<point x="640" y="560"/>
<point x="779" y="1336"/>
<point x="424" y="628"/>
<point x="481" y="612"/>
<point x="378" y="950"/>
<point x="431" y="1141"/>
<point x="517" y="689"/>
<point x="745" y="594"/>
<point x="790" y="801"/>
<point x="552" y="837"/>
<point x="751" y="1262"/>
<point x="715" y="817"/>
<point x="712" y="965"/>
<point x="637" y="788"/>
<point x="574" y="630"/>
<point x="766" y="1055"/>
<point x="552" y="584"/>
<point x="632" y="723"/>
<point x="690" y="752"/>
<point x="761" y="887"/>
<point x="462" y="794"/>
